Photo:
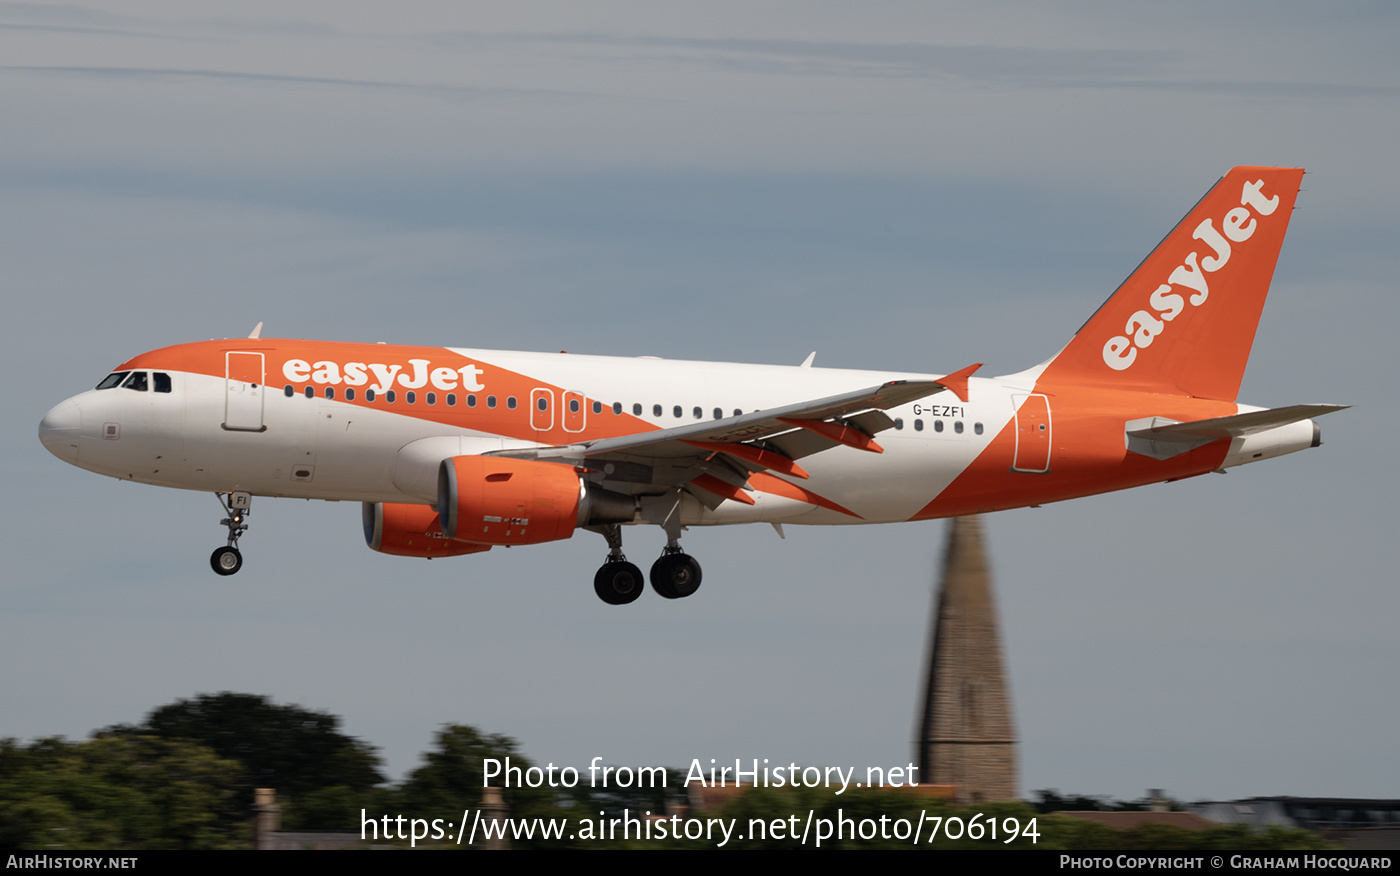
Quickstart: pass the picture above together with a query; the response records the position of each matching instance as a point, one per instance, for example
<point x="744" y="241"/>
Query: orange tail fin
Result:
<point x="1184" y="321"/>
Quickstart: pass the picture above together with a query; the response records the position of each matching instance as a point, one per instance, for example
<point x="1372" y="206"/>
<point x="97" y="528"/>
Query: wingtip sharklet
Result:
<point x="956" y="382"/>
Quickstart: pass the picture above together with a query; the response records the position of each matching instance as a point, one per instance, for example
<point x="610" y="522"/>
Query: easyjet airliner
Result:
<point x="455" y="451"/>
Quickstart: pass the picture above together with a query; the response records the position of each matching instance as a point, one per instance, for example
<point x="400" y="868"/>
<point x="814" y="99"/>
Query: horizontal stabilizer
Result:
<point x="1162" y="438"/>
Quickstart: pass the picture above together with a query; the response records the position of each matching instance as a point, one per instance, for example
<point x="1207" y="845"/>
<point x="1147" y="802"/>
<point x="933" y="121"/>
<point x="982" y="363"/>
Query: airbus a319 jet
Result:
<point x="456" y="451"/>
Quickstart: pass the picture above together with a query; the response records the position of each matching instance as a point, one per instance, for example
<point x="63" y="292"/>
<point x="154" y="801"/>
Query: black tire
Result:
<point x="675" y="576"/>
<point x="226" y="560"/>
<point x="618" y="583"/>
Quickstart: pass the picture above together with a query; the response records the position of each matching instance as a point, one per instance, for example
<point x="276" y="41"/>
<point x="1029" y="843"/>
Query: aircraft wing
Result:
<point x="761" y="424"/>
<point x="718" y="456"/>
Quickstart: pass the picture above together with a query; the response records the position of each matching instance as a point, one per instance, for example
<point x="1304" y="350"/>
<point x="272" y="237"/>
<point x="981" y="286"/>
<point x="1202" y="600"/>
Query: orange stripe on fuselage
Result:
<point x="208" y="358"/>
<point x="1088" y="454"/>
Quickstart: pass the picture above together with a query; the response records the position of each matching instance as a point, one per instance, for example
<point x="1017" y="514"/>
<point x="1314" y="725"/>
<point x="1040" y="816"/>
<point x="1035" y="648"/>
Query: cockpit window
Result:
<point x="113" y="379"/>
<point x="161" y="380"/>
<point x="136" y="381"/>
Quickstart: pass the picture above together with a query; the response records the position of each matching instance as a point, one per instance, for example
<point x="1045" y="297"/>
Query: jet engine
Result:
<point x="411" y="531"/>
<point x="496" y="500"/>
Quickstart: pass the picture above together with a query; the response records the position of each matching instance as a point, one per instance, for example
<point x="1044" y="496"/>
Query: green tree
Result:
<point x="298" y="752"/>
<point x="453" y="776"/>
<point x="128" y="792"/>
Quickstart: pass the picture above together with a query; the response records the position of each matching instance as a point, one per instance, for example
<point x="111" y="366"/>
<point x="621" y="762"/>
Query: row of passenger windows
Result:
<point x="391" y="396"/>
<point x="136" y="380"/>
<point x="411" y="397"/>
<point x="938" y="426"/>
<point x="431" y="398"/>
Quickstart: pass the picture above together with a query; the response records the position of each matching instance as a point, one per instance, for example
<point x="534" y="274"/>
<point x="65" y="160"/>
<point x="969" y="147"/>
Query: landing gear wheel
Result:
<point x="675" y="576"/>
<point x="226" y="560"/>
<point x="618" y="583"/>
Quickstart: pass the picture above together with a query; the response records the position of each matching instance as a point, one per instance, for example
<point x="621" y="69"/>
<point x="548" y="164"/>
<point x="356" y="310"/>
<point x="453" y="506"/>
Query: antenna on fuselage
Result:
<point x="257" y="330"/>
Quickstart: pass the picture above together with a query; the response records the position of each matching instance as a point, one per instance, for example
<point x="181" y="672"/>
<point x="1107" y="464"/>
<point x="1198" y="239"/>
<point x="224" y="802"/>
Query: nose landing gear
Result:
<point x="227" y="560"/>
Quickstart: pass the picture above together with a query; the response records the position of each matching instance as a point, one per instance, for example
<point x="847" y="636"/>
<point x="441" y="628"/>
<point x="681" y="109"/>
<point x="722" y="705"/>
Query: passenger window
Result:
<point x="597" y="407"/>
<point x="542" y="403"/>
<point x="510" y="402"/>
<point x="573" y="406"/>
<point x="349" y="393"/>
<point x="938" y="425"/>
<point x="136" y="381"/>
<point x="719" y="414"/>
<point x="289" y="391"/>
<point x="432" y="398"/>
<point x="330" y="392"/>
<point x="310" y="392"/>
<point x="452" y="399"/>
<point x="617" y="409"/>
<point x="636" y="409"/>
<point x="898" y="422"/>
<point x="737" y="412"/>
<point x="698" y="413"/>
<point x="369" y="395"/>
<point x="977" y="427"/>
<point x="918" y="425"/>
<point x="958" y="427"/>
<point x="656" y="410"/>
<point x="677" y="411"/>
<point x="490" y="401"/>
<point x="162" y="381"/>
<point x="410" y="397"/>
<point x="113" y="379"/>
<point x="471" y="401"/>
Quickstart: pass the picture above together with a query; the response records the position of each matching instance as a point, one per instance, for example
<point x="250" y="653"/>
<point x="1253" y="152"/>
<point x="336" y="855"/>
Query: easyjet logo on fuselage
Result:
<point x="419" y="373"/>
<point x="1142" y="327"/>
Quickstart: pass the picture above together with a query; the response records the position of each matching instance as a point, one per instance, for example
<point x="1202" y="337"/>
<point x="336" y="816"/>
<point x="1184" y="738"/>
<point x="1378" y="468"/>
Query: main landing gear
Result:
<point x="227" y="560"/>
<point x="675" y="575"/>
<point x="617" y="582"/>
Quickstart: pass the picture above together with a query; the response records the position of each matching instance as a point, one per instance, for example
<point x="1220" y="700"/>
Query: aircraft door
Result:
<point x="541" y="409"/>
<point x="1032" y="433"/>
<point x="244" y="392"/>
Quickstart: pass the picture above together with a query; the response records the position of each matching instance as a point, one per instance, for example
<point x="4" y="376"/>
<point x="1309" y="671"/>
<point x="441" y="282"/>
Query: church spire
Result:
<point x="967" y="734"/>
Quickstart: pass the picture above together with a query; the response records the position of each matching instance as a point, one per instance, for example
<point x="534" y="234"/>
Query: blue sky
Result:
<point x="907" y="186"/>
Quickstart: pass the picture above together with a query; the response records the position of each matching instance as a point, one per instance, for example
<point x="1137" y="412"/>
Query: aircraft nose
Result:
<point x="60" y="428"/>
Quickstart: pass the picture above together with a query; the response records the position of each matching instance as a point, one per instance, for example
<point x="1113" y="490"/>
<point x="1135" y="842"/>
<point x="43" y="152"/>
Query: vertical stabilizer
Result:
<point x="1184" y="321"/>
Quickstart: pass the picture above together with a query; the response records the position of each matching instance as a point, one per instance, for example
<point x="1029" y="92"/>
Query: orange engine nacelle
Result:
<point x="497" y="500"/>
<point x="411" y="531"/>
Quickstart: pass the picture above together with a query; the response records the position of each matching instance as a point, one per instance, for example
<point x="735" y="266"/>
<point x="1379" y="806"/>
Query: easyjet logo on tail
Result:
<point x="1187" y="282"/>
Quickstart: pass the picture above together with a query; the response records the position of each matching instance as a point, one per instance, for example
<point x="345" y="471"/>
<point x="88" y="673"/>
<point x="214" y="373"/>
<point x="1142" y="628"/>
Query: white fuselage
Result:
<point x="319" y="448"/>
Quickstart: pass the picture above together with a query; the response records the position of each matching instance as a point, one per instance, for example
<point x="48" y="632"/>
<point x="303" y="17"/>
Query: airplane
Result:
<point x="454" y="451"/>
